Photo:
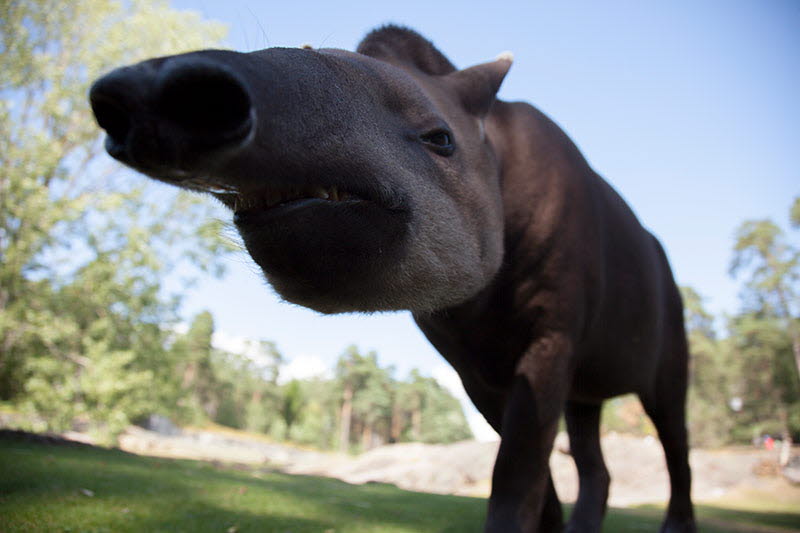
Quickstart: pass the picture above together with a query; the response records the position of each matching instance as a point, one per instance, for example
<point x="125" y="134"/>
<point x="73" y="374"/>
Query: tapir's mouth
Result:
<point x="275" y="199"/>
<point x="270" y="198"/>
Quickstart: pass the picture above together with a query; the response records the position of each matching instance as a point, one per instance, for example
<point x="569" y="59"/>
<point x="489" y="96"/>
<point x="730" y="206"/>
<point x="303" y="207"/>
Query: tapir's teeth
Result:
<point x="200" y="183"/>
<point x="273" y="197"/>
<point x="217" y="189"/>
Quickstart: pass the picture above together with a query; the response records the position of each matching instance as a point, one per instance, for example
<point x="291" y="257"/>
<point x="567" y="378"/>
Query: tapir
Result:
<point x="386" y="179"/>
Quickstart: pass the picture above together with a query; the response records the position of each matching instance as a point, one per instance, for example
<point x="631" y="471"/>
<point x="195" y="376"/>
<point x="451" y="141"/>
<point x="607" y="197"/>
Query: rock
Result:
<point x="162" y="425"/>
<point x="792" y="470"/>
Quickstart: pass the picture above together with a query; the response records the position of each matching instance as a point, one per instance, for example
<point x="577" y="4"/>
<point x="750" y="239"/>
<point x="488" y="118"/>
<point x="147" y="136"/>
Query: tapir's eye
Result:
<point x="440" y="141"/>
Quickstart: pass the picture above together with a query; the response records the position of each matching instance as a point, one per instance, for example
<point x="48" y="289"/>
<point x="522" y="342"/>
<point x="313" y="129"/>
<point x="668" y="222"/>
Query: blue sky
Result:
<point x="689" y="109"/>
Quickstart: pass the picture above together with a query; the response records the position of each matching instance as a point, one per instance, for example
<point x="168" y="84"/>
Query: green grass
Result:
<point x="46" y="488"/>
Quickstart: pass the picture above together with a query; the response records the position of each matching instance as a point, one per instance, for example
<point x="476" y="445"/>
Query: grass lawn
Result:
<point x="47" y="487"/>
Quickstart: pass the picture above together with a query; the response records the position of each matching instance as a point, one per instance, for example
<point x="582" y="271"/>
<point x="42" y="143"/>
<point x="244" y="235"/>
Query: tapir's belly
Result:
<point x="602" y="376"/>
<point x="621" y="355"/>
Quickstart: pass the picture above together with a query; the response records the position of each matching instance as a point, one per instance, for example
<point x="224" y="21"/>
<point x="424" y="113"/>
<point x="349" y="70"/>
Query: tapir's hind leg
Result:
<point x="666" y="407"/>
<point x="583" y="426"/>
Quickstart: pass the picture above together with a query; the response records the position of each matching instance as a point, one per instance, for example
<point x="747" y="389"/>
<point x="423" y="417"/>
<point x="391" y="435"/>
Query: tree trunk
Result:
<point x="346" y="416"/>
<point x="796" y="350"/>
<point x="416" y="423"/>
<point x="366" y="437"/>
<point x="189" y="375"/>
<point x="396" y="425"/>
<point x="793" y="329"/>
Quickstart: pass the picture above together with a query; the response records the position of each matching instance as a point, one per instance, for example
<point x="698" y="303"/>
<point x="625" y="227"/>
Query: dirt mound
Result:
<point x="230" y="447"/>
<point x="460" y="468"/>
<point x="638" y="471"/>
<point x="639" y="475"/>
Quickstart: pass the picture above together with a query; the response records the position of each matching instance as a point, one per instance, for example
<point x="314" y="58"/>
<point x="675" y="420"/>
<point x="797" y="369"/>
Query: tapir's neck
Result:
<point x="547" y="188"/>
<point x="545" y="199"/>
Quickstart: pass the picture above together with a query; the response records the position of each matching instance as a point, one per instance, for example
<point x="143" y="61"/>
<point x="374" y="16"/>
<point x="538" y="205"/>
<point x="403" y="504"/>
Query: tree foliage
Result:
<point x="247" y="393"/>
<point x="767" y="332"/>
<point x="376" y="408"/>
<point x="712" y="373"/>
<point x="191" y="357"/>
<point x="292" y="405"/>
<point x="746" y="382"/>
<point x="84" y="247"/>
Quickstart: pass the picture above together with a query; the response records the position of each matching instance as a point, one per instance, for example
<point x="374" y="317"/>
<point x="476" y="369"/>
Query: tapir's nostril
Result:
<point x="209" y="103"/>
<point x="111" y="116"/>
<point x="172" y="114"/>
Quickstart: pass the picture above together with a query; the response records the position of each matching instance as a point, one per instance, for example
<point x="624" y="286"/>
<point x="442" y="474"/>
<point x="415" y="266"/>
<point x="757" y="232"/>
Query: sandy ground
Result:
<point x="636" y="464"/>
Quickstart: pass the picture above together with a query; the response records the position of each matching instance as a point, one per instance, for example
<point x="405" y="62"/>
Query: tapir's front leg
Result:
<point x="523" y="498"/>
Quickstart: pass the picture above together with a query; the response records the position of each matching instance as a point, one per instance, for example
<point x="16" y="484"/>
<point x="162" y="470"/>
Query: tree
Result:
<point x="83" y="315"/>
<point x="372" y="403"/>
<point x="319" y="424"/>
<point x="766" y="379"/>
<point x="768" y="332"/>
<point x="436" y="415"/>
<point x="269" y="359"/>
<point x="411" y="396"/>
<point x="292" y="405"/>
<point x="699" y="322"/>
<point x="774" y="272"/>
<point x="198" y="384"/>
<point x="443" y="420"/>
<point x="353" y="371"/>
<point x="247" y="395"/>
<point x="712" y="377"/>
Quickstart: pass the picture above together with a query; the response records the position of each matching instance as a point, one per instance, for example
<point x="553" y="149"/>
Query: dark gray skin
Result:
<point x="387" y="179"/>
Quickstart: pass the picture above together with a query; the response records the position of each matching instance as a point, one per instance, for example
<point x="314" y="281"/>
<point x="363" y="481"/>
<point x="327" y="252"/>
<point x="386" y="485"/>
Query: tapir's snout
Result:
<point x="167" y="117"/>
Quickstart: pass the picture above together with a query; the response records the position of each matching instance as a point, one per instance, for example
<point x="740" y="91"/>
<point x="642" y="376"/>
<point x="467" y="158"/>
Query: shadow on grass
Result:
<point x="716" y="519"/>
<point x="57" y="488"/>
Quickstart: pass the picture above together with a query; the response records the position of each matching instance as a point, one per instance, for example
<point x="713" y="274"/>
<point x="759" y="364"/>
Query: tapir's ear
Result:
<point x="478" y="85"/>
